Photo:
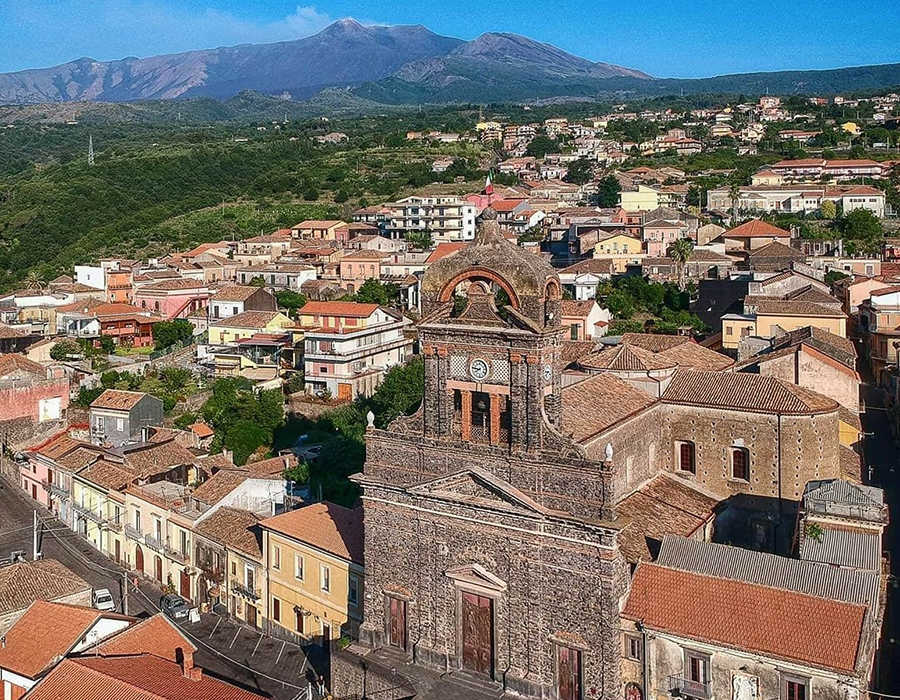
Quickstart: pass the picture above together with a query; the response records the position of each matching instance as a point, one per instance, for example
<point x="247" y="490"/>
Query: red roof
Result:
<point x="756" y="229"/>
<point x="143" y="677"/>
<point x="326" y="526"/>
<point x="156" y="635"/>
<point x="443" y="250"/>
<point x="770" y="621"/>
<point x="338" y="308"/>
<point x="201" y="430"/>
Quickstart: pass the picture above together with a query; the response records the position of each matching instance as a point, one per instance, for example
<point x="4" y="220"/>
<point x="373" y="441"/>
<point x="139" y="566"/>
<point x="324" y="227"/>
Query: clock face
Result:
<point x="478" y="369"/>
<point x="548" y="373"/>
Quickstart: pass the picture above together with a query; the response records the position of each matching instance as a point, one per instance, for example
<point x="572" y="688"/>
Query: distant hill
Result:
<point x="349" y="66"/>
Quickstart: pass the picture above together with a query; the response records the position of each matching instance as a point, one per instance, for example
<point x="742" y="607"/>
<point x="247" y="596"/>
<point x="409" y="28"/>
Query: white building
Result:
<point x="446" y="218"/>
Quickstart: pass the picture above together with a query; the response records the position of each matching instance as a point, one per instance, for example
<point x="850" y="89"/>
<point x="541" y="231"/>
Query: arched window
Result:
<point x="156" y="306"/>
<point x="740" y="463"/>
<point x="686" y="455"/>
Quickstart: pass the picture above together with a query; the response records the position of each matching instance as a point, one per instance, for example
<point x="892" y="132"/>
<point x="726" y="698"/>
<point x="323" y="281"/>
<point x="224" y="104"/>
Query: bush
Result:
<point x="169" y="333"/>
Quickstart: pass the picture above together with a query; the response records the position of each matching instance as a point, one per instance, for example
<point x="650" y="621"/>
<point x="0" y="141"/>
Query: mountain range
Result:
<point x="395" y="65"/>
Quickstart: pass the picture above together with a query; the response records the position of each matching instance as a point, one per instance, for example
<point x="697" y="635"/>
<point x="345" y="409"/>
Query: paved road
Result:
<point x="882" y="455"/>
<point x="225" y="649"/>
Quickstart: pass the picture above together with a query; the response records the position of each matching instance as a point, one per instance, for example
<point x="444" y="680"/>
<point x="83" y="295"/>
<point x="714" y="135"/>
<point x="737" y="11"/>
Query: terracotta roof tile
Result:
<point x="156" y="635"/>
<point x="654" y="342"/>
<point x="326" y="526"/>
<point x="744" y="392"/>
<point x="626" y="358"/>
<point x="117" y="399"/>
<point x="597" y="403"/>
<point x="235" y="528"/>
<point x="171" y="285"/>
<point x="695" y="356"/>
<point x="782" y="307"/>
<point x="47" y="579"/>
<point x="769" y="621"/>
<point x="350" y="309"/>
<point x="219" y="485"/>
<point x="234" y="292"/>
<point x="579" y="309"/>
<point x="756" y="229"/>
<point x="11" y="363"/>
<point x="247" y="319"/>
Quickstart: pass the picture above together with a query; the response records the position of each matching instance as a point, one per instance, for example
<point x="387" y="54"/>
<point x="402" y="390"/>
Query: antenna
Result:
<point x="90" y="150"/>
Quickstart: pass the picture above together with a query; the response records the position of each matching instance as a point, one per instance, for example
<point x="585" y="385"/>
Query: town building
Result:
<point x="233" y="300"/>
<point x="121" y="417"/>
<point x="21" y="583"/>
<point x="447" y="218"/>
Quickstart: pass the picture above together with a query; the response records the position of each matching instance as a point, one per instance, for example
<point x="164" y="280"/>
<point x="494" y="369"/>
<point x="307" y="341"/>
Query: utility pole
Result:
<point x="124" y="592"/>
<point x="34" y="551"/>
<point x="90" y="150"/>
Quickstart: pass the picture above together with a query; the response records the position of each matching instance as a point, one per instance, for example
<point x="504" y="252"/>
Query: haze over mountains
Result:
<point x="393" y="65"/>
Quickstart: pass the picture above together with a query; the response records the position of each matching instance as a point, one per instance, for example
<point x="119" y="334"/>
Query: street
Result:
<point x="226" y="649"/>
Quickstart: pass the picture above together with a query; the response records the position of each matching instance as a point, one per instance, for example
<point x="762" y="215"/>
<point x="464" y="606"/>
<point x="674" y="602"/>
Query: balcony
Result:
<point x="133" y="533"/>
<point x="153" y="543"/>
<point x="89" y="514"/>
<point x="55" y="489"/>
<point x="244" y="591"/>
<point x="176" y="555"/>
<point x="114" y="525"/>
<point x="684" y="687"/>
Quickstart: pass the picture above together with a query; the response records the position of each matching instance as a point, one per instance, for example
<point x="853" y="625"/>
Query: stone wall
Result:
<point x="354" y="676"/>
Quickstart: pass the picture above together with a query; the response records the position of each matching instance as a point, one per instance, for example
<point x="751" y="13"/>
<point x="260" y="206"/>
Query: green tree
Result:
<point x="694" y="196"/>
<point x="168" y="333"/>
<point x="541" y="145"/>
<point x="63" y="349"/>
<point x="290" y="300"/>
<point x="608" y="189"/>
<point x="828" y="209"/>
<point x="580" y="172"/>
<point x="244" y="437"/>
<point x="299" y="473"/>
<point x="374" y="291"/>
<point x="419" y="239"/>
<point x="401" y="391"/>
<point x="680" y="252"/>
<point x="257" y="281"/>
<point x="862" y="231"/>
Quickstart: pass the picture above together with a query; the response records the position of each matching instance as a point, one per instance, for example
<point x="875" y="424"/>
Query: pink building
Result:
<point x="660" y="234"/>
<point x="173" y="298"/>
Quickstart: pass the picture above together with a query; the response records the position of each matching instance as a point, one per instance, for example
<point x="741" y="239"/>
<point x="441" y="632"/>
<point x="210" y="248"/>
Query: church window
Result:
<point x="687" y="461"/>
<point x="740" y="464"/>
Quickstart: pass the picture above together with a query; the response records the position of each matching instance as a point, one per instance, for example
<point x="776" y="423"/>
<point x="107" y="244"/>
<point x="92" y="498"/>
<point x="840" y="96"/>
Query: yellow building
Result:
<point x="642" y="199"/>
<point x="314" y="565"/>
<point x="246" y="325"/>
<point x="98" y="504"/>
<point x="735" y="327"/>
<point x="791" y="315"/>
<point x="622" y="250"/>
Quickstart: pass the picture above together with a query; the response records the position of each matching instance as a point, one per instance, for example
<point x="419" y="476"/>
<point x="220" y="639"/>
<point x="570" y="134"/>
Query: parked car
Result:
<point x="103" y="600"/>
<point x="175" y="606"/>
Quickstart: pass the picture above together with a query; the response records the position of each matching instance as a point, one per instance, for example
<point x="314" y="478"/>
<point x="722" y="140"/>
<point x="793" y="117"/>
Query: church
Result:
<point x="496" y="556"/>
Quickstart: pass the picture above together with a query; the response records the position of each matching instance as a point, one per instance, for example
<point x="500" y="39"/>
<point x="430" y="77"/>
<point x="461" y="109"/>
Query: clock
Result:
<point x="547" y="373"/>
<point x="478" y="369"/>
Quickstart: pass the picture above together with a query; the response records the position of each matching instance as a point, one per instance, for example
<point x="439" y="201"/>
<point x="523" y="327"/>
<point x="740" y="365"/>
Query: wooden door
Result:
<point x="298" y="621"/>
<point x="345" y="392"/>
<point x="326" y="634"/>
<point x="157" y="562"/>
<point x="569" y="665"/>
<point x="117" y="555"/>
<point x="478" y="633"/>
<point x="397" y="623"/>
<point x="251" y="615"/>
<point x="138" y="558"/>
<point x="185" y="588"/>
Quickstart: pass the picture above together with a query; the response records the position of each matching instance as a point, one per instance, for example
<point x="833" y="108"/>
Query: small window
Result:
<point x="298" y="567"/>
<point x="276" y="609"/>
<point x="795" y="688"/>
<point x="276" y="556"/>
<point x="686" y="457"/>
<point x="353" y="591"/>
<point x="120" y="424"/>
<point x="634" y="648"/>
<point x="233" y="568"/>
<point x="325" y="578"/>
<point x="740" y="464"/>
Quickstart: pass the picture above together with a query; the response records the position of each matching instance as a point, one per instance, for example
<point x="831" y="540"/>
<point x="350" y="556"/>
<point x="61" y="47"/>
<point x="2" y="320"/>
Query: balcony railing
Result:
<point x="242" y="590"/>
<point x="176" y="554"/>
<point x="55" y="489"/>
<point x="89" y="514"/>
<point x="688" y="688"/>
<point x="153" y="543"/>
<point x="133" y="533"/>
<point x="114" y="525"/>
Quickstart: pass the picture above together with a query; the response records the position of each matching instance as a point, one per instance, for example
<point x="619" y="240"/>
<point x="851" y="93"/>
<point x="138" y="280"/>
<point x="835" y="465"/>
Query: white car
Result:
<point x="103" y="600"/>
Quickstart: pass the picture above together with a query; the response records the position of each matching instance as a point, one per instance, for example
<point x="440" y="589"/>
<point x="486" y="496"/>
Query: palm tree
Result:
<point x="734" y="192"/>
<point x="680" y="251"/>
<point x="34" y="280"/>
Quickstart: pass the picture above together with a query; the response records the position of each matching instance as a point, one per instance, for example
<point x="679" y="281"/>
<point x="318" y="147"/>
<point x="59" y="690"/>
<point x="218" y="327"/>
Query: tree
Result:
<point x="541" y="145"/>
<point x="374" y="291"/>
<point x="608" y="189"/>
<point x="299" y="473"/>
<point x="63" y="349"/>
<point x="694" y="196"/>
<point x="290" y="300"/>
<point x="244" y="438"/>
<point x="168" y="333"/>
<point x="734" y="194"/>
<point x="862" y="231"/>
<point x="580" y="172"/>
<point x="680" y="252"/>
<point x="258" y="281"/>
<point x="828" y="209"/>
<point x="400" y="393"/>
<point x="419" y="239"/>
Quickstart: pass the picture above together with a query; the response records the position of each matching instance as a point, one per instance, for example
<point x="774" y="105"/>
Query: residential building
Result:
<point x="314" y="566"/>
<point x="813" y="168"/>
<point x="586" y="320"/>
<point x="349" y="346"/>
<point x="280" y="274"/>
<point x="30" y="394"/>
<point x="879" y="318"/>
<point x="260" y="250"/>
<point x="233" y="300"/>
<point x="359" y="266"/>
<point x="245" y="325"/>
<point x="447" y="218"/>
<point x="120" y="417"/>
<point x="583" y="277"/>
<point x="173" y="298"/>
<point x="621" y="250"/>
<point x="643" y="198"/>
<point x="752" y="235"/>
<point x="317" y="230"/>
<point x="21" y="583"/>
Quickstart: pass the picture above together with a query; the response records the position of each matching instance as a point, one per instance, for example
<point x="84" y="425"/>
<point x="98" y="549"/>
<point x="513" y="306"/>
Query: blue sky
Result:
<point x="677" y="38"/>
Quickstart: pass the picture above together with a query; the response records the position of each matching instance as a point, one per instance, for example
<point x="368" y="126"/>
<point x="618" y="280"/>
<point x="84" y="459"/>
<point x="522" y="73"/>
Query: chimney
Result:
<point x="194" y="673"/>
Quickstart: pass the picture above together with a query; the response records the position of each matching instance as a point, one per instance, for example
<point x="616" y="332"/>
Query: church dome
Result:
<point x="529" y="281"/>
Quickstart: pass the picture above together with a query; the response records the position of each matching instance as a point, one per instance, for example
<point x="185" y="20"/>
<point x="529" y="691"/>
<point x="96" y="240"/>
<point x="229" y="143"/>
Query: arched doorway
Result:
<point x="138" y="559"/>
<point x="633" y="692"/>
<point x="157" y="567"/>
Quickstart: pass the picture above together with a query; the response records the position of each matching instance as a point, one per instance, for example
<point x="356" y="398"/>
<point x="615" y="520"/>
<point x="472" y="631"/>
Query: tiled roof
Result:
<point x="201" y="430"/>
<point x="44" y="633"/>
<point x="775" y="249"/>
<point x="756" y="229"/>
<point x="625" y="358"/>
<point x="580" y="309"/>
<point x="108" y="475"/>
<point x="153" y="458"/>
<point x="772" y="622"/>
<point x="118" y="400"/>
<point x="351" y="309"/>
<point x="830" y="343"/>
<point x="235" y="528"/>
<point x="443" y="250"/>
<point x="326" y="526"/>
<point x="156" y="635"/>
<point x="273" y="467"/>
<point x="695" y="356"/>
<point x="21" y="584"/>
<point x="778" y="307"/>
<point x="143" y="677"/>
<point x="599" y="402"/>
<point x="744" y="392"/>
<point x="247" y="319"/>
<point x="654" y="342"/>
<point x="219" y="485"/>
<point x="811" y="294"/>
<point x="172" y="285"/>
<point x="365" y="255"/>
<point x="764" y="569"/>
<point x="597" y="266"/>
<point x="665" y="506"/>
<point x="10" y="332"/>
<point x="234" y="292"/>
<point x="11" y="363"/>
<point x="851" y="464"/>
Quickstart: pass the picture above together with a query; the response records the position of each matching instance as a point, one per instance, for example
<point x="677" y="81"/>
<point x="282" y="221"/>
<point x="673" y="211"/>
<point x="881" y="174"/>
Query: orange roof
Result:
<point x="44" y="633"/>
<point x="443" y="250"/>
<point x="318" y="223"/>
<point x="326" y="526"/>
<point x="201" y="430"/>
<point x="770" y="621"/>
<point x="156" y="635"/>
<point x="143" y="677"/>
<point x="504" y="205"/>
<point x="756" y="229"/>
<point x="352" y="309"/>
<point x="118" y="399"/>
